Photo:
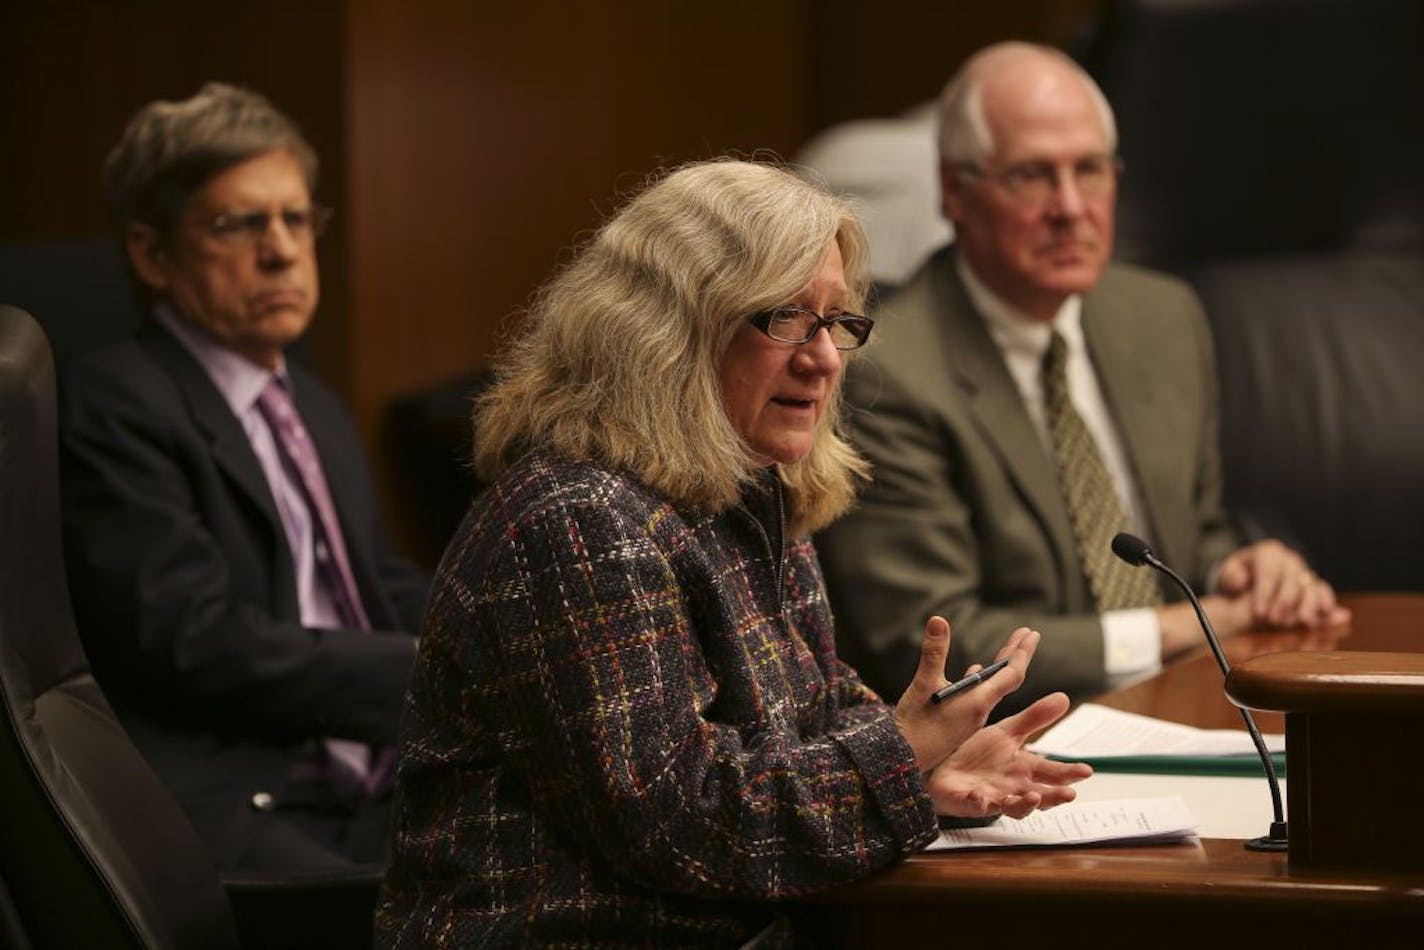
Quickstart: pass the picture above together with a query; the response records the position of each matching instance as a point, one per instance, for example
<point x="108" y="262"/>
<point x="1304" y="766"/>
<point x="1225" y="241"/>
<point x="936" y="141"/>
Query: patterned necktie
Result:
<point x="299" y="458"/>
<point x="333" y="568"/>
<point x="1093" y="505"/>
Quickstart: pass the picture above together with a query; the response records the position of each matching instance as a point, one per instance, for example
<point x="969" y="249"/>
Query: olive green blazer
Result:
<point x="963" y="516"/>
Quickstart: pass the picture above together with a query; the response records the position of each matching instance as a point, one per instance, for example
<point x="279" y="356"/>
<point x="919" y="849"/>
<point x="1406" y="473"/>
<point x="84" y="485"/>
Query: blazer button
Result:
<point x="263" y="801"/>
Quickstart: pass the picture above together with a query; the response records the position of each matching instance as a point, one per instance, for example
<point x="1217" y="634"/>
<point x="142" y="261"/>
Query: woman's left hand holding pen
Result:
<point x="935" y="730"/>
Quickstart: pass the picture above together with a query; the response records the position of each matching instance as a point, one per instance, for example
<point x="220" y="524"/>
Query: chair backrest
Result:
<point x="76" y="287"/>
<point x="888" y="168"/>
<point x="12" y="929"/>
<point x="1265" y="126"/>
<point x="431" y="437"/>
<point x="1275" y="159"/>
<point x="93" y="849"/>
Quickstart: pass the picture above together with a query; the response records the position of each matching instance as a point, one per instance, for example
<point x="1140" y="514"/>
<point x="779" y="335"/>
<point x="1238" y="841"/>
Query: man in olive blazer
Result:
<point x="964" y="516"/>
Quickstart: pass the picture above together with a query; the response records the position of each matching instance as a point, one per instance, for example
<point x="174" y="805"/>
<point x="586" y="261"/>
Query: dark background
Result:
<point x="465" y="145"/>
<point x="468" y="145"/>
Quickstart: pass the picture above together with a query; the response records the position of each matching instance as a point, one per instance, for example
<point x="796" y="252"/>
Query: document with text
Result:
<point x="1128" y="820"/>
<point x="1098" y="732"/>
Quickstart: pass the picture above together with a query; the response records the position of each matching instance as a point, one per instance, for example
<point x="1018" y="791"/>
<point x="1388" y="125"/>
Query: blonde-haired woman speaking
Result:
<point x="627" y="724"/>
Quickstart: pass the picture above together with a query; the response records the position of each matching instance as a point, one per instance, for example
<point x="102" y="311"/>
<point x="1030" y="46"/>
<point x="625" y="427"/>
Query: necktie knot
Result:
<point x="276" y="404"/>
<point x="1055" y="363"/>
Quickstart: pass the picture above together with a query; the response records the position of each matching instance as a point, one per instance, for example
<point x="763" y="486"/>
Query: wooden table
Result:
<point x="1190" y="690"/>
<point x="1206" y="893"/>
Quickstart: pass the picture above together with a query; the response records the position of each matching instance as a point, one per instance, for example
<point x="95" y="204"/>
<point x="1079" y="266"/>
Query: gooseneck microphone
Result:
<point x="1135" y="551"/>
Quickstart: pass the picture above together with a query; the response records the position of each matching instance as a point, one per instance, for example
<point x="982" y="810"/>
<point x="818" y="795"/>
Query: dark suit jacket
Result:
<point x="184" y="590"/>
<point x="964" y="516"/>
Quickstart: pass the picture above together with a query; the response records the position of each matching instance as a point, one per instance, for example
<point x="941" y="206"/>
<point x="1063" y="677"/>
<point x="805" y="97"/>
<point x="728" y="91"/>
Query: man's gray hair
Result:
<point x="169" y="150"/>
<point x="964" y="135"/>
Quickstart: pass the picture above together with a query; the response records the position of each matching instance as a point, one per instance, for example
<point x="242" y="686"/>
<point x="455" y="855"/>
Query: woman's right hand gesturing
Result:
<point x="934" y="730"/>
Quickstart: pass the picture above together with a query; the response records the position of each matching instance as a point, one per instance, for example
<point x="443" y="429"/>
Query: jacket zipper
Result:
<point x="781" y="535"/>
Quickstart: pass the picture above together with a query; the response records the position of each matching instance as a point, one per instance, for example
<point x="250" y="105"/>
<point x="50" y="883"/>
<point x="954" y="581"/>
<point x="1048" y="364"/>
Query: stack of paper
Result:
<point x="1138" y="820"/>
<point x="1113" y="740"/>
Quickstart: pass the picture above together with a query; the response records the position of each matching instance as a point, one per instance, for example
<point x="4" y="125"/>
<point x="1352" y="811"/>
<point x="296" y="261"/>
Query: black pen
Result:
<point x="973" y="679"/>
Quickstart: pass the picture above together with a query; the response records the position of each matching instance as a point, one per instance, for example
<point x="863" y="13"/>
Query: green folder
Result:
<point x="1184" y="764"/>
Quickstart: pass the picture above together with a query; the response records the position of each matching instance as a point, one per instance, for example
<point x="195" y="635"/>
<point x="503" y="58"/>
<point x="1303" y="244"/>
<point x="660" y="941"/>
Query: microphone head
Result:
<point x="1131" y="548"/>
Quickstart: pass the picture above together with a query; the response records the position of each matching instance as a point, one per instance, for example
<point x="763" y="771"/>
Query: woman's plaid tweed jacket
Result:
<point x="628" y="726"/>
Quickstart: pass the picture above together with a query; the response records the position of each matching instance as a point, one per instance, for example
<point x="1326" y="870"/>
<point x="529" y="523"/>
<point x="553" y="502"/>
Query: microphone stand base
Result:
<point x="1277" y="840"/>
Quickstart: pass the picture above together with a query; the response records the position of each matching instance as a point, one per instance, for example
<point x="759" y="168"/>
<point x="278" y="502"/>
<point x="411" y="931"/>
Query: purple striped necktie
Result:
<point x="299" y="458"/>
<point x="333" y="567"/>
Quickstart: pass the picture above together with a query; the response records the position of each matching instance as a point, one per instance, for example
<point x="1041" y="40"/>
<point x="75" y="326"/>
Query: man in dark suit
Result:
<point x="1023" y="401"/>
<point x="240" y="602"/>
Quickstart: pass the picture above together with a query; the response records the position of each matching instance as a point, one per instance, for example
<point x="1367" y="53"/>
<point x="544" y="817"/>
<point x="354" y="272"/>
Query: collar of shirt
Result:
<point x="238" y="379"/>
<point x="1014" y="332"/>
<point x="1023" y="341"/>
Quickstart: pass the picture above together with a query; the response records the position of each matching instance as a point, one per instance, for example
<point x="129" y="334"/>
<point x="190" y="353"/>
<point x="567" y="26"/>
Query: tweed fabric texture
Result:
<point x="628" y="727"/>
<point x="1093" y="505"/>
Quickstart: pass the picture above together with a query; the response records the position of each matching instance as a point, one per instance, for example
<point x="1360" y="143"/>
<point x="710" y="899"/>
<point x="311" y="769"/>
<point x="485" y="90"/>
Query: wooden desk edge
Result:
<point x="1340" y="681"/>
<point x="1155" y="874"/>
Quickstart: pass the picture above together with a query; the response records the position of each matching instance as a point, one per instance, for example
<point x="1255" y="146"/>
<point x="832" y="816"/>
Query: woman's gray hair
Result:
<point x="169" y="150"/>
<point x="964" y="136"/>
<point x="619" y="356"/>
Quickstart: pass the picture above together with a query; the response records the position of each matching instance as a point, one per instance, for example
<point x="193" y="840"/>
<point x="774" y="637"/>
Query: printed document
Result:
<point x="1138" y="820"/>
<point x="1099" y="732"/>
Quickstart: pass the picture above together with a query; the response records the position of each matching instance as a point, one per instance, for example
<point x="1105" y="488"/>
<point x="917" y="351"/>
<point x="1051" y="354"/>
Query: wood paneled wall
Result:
<point x="467" y="145"/>
<point x="74" y="71"/>
<point x="483" y="144"/>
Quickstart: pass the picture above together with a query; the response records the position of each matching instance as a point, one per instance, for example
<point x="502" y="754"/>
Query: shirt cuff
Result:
<point x="1132" y="644"/>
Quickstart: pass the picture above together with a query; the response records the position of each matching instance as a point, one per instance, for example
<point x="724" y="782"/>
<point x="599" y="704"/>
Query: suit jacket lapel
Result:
<point x="213" y="416"/>
<point x="998" y="408"/>
<point x="232" y="452"/>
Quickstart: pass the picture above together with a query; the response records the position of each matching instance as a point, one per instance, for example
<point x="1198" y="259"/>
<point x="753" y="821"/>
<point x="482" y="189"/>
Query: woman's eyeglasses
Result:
<point x="848" y="331"/>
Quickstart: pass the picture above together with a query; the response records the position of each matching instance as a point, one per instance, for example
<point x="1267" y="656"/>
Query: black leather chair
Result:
<point x="76" y="287"/>
<point x="431" y="439"/>
<point x="12" y="931"/>
<point x="94" y="852"/>
<point x="1275" y="159"/>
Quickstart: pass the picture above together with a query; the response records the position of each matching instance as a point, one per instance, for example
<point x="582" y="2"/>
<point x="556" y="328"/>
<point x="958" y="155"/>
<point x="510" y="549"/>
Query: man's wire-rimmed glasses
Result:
<point x="247" y="228"/>
<point x="1036" y="183"/>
